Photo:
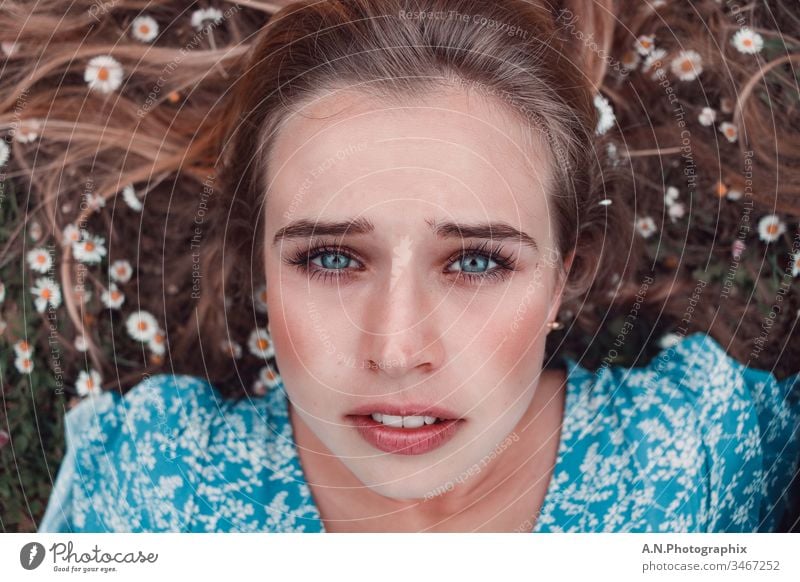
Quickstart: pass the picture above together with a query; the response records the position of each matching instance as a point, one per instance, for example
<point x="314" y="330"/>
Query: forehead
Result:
<point x="460" y="152"/>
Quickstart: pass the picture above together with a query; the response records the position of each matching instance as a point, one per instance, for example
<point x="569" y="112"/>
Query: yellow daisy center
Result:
<point x="262" y="344"/>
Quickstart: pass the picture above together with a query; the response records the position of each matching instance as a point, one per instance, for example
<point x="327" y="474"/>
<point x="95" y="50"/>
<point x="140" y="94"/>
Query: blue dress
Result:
<point x="693" y="442"/>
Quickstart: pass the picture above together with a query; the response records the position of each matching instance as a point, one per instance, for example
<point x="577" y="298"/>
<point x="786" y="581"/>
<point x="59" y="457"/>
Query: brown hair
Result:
<point x="193" y="128"/>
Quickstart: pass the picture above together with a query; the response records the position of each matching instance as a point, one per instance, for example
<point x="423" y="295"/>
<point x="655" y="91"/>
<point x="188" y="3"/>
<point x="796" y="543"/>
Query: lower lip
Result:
<point x="405" y="441"/>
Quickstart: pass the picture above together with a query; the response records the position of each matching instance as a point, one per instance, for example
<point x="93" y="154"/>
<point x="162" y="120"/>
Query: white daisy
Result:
<point x="645" y="44"/>
<point x="23" y="349"/>
<point x="120" y="271"/>
<point x="205" y="17"/>
<point x="81" y="344"/>
<point x="260" y="343"/>
<point x="795" y="263"/>
<point x="24" y="365"/>
<point x="141" y="326"/>
<point x="734" y="194"/>
<point x="687" y="66"/>
<point x="35" y="230"/>
<point x="72" y="234"/>
<point x="770" y="228"/>
<point x="260" y="299"/>
<point x="269" y="377"/>
<point x="605" y="202"/>
<point x="668" y="340"/>
<point x="729" y="130"/>
<point x="5" y="152"/>
<point x="90" y="250"/>
<point x="88" y="383"/>
<point x="112" y="297"/>
<point x="9" y="48"/>
<point x="747" y="41"/>
<point x="46" y="292"/>
<point x="130" y="198"/>
<point x="234" y="349"/>
<point x="630" y="60"/>
<point x="40" y="260"/>
<point x="707" y="117"/>
<point x="654" y="63"/>
<point x="605" y="115"/>
<point x="144" y="28"/>
<point x="28" y="131"/>
<point x="95" y="201"/>
<point x="103" y="74"/>
<point x="671" y="195"/>
<point x="2" y="291"/>
<point x="676" y="210"/>
<point x="645" y="226"/>
<point x="157" y="343"/>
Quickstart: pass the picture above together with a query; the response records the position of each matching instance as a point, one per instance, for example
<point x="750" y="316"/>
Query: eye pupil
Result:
<point x="334" y="260"/>
<point x="475" y="263"/>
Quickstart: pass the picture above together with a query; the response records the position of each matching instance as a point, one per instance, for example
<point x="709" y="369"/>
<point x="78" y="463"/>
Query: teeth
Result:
<point x="403" y="421"/>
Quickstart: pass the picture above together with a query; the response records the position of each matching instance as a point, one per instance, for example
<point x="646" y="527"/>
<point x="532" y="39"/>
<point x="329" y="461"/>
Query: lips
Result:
<point x="406" y="438"/>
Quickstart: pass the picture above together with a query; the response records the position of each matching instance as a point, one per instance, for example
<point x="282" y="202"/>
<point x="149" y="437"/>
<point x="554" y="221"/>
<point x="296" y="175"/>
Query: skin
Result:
<point x="395" y="318"/>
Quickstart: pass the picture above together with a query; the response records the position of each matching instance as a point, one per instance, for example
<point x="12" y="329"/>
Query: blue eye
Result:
<point x="474" y="263"/>
<point x="332" y="260"/>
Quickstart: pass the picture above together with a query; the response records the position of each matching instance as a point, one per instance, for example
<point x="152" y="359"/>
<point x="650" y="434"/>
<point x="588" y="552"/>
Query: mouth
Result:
<point x="398" y="432"/>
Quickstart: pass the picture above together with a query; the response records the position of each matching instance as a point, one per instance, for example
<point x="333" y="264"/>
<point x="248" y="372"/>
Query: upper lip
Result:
<point x="404" y="410"/>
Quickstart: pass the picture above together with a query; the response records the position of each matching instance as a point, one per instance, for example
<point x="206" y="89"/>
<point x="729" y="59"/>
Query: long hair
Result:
<point x="190" y="124"/>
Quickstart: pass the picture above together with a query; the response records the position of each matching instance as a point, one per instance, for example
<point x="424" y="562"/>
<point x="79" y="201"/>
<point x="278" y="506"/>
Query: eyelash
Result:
<point x="505" y="262"/>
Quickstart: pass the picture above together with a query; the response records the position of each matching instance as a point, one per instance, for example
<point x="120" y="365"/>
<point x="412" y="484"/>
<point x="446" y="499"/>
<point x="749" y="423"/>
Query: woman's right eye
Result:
<point x="332" y="260"/>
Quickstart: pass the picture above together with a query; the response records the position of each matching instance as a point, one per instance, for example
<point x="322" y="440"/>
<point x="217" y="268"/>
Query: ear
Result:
<point x="561" y="281"/>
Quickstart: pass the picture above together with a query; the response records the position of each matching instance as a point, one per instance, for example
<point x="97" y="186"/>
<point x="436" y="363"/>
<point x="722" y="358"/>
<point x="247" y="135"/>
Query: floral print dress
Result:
<point x="692" y="442"/>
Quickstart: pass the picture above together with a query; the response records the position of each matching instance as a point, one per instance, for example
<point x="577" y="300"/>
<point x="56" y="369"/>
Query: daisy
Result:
<point x="5" y="153"/>
<point x="35" y="230"/>
<point x="72" y="234"/>
<point x="81" y="344"/>
<point x="734" y="194"/>
<point x="95" y="201"/>
<point x="687" y="66"/>
<point x="260" y="299"/>
<point x="269" y="377"/>
<point x="104" y="74"/>
<point x="46" y="292"/>
<point x="795" y="263"/>
<point x="130" y="198"/>
<point x="112" y="298"/>
<point x="770" y="228"/>
<point x="605" y="115"/>
<point x="260" y="344"/>
<point x="2" y="291"/>
<point x="28" y="131"/>
<point x="88" y="383"/>
<point x="206" y="16"/>
<point x="120" y="271"/>
<point x="630" y="60"/>
<point x="9" y="48"/>
<point x="232" y="348"/>
<point x="90" y="250"/>
<point x="747" y="42"/>
<point x="23" y="349"/>
<point x="707" y="116"/>
<point x="141" y="326"/>
<point x="737" y="249"/>
<point x="668" y="340"/>
<point x="157" y="344"/>
<point x="40" y="260"/>
<point x="645" y="44"/>
<point x="676" y="210"/>
<point x="24" y="365"/>
<point x="729" y="130"/>
<point x="726" y="105"/>
<point x="144" y="28"/>
<point x="721" y="189"/>
<point x="654" y="63"/>
<point x="605" y="202"/>
<point x="671" y="195"/>
<point x="645" y="226"/>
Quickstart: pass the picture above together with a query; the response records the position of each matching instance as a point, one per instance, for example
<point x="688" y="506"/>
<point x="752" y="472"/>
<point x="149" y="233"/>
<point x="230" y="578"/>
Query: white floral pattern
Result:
<point x="692" y="442"/>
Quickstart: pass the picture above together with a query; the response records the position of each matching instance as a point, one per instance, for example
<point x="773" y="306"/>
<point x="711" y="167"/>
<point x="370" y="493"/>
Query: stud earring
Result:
<point x="551" y="325"/>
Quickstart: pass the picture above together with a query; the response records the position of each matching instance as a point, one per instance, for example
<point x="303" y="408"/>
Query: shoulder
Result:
<point x="696" y="440"/>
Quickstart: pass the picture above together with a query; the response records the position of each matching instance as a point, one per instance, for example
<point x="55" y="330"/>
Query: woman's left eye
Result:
<point x="334" y="261"/>
<point x="474" y="263"/>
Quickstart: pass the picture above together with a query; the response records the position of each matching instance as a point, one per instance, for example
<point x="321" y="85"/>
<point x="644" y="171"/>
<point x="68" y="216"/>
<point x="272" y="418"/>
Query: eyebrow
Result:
<point x="305" y="228"/>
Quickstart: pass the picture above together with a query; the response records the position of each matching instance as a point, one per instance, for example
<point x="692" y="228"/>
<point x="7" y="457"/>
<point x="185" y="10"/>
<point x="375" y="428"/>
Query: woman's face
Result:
<point x="410" y="268"/>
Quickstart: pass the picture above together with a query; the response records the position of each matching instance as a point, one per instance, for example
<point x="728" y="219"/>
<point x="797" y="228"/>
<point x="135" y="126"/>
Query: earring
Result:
<point x="554" y="325"/>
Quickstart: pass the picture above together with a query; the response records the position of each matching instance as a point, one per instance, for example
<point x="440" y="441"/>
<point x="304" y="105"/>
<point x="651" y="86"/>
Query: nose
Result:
<point x="401" y="333"/>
